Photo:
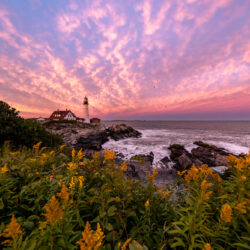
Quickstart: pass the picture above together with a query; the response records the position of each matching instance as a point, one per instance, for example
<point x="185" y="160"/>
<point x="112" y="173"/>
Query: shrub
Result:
<point x="50" y="200"/>
<point x="21" y="132"/>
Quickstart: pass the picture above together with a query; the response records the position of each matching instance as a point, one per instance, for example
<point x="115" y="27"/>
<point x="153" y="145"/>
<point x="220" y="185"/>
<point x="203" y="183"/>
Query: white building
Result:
<point x="62" y="115"/>
<point x="86" y="109"/>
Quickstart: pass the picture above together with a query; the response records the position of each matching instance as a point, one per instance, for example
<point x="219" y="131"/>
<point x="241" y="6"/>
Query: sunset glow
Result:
<point x="183" y="59"/>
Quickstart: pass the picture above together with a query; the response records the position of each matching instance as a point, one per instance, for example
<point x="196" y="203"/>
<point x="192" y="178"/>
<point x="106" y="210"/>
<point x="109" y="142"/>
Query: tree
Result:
<point x="21" y="132"/>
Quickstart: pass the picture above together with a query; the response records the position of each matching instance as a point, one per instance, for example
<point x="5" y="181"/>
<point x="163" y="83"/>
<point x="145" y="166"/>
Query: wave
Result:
<point x="158" y="141"/>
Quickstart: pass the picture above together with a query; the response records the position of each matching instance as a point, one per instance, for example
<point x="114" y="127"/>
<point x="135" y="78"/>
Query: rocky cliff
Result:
<point x="89" y="136"/>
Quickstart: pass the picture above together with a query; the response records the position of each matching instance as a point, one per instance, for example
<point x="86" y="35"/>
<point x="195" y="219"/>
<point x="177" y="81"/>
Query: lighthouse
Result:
<point x="86" y="109"/>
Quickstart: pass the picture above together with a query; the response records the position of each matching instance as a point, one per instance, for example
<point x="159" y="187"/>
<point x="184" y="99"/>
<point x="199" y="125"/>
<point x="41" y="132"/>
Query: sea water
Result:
<point x="157" y="136"/>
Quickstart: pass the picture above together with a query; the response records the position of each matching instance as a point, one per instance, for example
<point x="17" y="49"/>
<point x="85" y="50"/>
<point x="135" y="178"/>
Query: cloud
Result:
<point x="144" y="58"/>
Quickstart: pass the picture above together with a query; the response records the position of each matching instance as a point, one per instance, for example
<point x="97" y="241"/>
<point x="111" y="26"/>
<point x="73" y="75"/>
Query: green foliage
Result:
<point x="21" y="132"/>
<point x="56" y="197"/>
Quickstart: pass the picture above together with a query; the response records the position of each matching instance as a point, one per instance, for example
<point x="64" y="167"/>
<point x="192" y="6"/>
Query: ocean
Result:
<point x="157" y="136"/>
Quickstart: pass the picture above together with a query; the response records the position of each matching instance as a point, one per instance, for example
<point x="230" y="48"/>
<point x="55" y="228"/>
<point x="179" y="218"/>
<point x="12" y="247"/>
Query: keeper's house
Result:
<point x="63" y="115"/>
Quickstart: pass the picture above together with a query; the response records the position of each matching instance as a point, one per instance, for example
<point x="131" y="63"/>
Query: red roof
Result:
<point x="60" y="115"/>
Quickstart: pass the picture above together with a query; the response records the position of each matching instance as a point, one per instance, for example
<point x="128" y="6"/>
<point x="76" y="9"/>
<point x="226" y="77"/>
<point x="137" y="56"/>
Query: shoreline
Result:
<point x="140" y="148"/>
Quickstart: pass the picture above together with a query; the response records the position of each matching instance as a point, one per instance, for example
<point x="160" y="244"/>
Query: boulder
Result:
<point x="181" y="157"/>
<point x="210" y="154"/>
<point x="165" y="161"/>
<point x="176" y="150"/>
<point x="122" y="131"/>
<point x="185" y="161"/>
<point x="140" y="165"/>
<point x="92" y="141"/>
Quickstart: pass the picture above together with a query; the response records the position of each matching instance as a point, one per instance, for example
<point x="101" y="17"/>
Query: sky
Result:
<point x="145" y="59"/>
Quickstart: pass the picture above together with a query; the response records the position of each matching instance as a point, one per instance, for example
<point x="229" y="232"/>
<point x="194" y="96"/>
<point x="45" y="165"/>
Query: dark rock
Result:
<point x="197" y="162"/>
<point x="122" y="131"/>
<point x="176" y="150"/>
<point x="165" y="161"/>
<point x="210" y="154"/>
<point x="120" y="155"/>
<point x="89" y="136"/>
<point x="182" y="158"/>
<point x="119" y="159"/>
<point x="92" y="141"/>
<point x="211" y="147"/>
<point x="185" y="161"/>
<point x="140" y="165"/>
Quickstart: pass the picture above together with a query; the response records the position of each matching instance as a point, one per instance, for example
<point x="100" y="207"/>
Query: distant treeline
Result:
<point x="21" y="132"/>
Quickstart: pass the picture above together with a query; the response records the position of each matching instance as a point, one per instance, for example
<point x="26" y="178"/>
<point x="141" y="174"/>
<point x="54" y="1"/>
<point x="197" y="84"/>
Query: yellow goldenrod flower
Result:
<point x="151" y="178"/>
<point x="72" y="182"/>
<point x="216" y="176"/>
<point x="202" y="172"/>
<point x="226" y="213"/>
<point x="13" y="230"/>
<point x="73" y="153"/>
<point x="155" y="172"/>
<point x="53" y="211"/>
<point x="80" y="154"/>
<point x="181" y="173"/>
<point x="62" y="147"/>
<point x="243" y="178"/>
<point x="247" y="200"/>
<point x="72" y="166"/>
<point x="205" y="170"/>
<point x="43" y="148"/>
<point x="124" y="166"/>
<point x="147" y="204"/>
<point x="51" y="152"/>
<point x="207" y="246"/>
<point x="240" y="164"/>
<point x="124" y="246"/>
<point x="207" y="195"/>
<point x="64" y="194"/>
<point x="37" y="146"/>
<point x="99" y="236"/>
<point x="205" y="185"/>
<point x="164" y="194"/>
<point x="248" y="158"/>
<point x="232" y="159"/>
<point x="241" y="207"/>
<point x="96" y="155"/>
<point x="81" y="180"/>
<point x="91" y="240"/>
<point x="4" y="169"/>
<point x="192" y="174"/>
<point x="109" y="155"/>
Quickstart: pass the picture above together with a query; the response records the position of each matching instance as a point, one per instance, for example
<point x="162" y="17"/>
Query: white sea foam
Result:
<point x="158" y="141"/>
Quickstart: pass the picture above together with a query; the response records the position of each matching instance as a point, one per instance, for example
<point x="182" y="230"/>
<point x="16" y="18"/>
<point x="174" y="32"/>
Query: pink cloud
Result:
<point x="128" y="58"/>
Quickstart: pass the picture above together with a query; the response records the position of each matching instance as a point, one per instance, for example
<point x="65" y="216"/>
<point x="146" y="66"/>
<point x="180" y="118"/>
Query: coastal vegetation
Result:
<point x="23" y="132"/>
<point x="51" y="198"/>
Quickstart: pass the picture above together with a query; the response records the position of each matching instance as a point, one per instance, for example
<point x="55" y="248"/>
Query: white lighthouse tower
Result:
<point x="86" y="109"/>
